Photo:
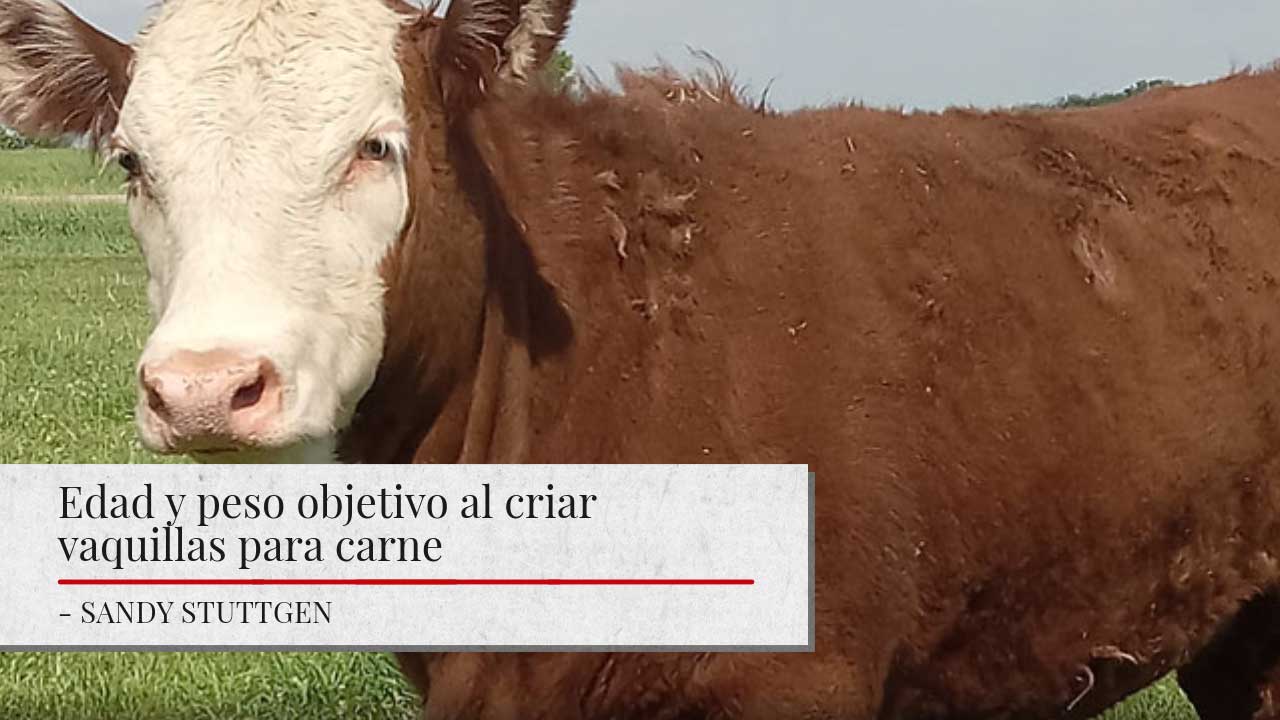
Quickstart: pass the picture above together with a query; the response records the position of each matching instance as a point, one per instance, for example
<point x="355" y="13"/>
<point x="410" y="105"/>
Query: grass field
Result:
<point x="73" y="319"/>
<point x="56" y="172"/>
<point x="331" y="686"/>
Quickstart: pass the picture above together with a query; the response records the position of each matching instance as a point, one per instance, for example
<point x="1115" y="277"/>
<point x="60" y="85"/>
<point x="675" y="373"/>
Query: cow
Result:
<point x="1028" y="355"/>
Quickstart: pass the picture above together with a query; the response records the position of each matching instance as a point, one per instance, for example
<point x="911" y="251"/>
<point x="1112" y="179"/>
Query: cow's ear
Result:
<point x="58" y="74"/>
<point x="483" y="41"/>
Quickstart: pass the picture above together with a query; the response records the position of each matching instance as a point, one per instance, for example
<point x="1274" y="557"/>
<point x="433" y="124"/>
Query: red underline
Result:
<point x="406" y="582"/>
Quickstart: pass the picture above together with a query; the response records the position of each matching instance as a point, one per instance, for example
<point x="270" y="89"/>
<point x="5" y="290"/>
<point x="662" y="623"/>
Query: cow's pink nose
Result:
<point x="211" y="401"/>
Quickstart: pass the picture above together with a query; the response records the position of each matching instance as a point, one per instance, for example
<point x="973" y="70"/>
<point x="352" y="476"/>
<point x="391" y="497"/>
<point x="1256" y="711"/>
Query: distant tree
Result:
<point x="1099" y="99"/>
<point x="559" y="74"/>
<point x="11" y="139"/>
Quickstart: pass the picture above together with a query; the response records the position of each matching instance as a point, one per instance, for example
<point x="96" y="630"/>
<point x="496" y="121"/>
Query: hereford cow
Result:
<point x="1028" y="355"/>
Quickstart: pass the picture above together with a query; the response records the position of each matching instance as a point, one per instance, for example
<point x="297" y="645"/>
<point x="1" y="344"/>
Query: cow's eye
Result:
<point x="130" y="163"/>
<point x="375" y="150"/>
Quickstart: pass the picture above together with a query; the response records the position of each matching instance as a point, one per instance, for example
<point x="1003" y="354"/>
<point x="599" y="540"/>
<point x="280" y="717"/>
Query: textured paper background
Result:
<point x="653" y="522"/>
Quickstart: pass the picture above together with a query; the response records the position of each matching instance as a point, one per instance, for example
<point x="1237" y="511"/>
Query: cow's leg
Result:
<point x="1270" y="709"/>
<point x="1226" y="679"/>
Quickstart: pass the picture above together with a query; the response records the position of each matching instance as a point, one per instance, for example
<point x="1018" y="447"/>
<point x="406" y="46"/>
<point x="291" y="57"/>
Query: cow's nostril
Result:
<point x="194" y="402"/>
<point x="249" y="395"/>
<point x="155" y="399"/>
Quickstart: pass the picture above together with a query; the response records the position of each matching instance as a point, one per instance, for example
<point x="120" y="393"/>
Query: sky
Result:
<point x="927" y="54"/>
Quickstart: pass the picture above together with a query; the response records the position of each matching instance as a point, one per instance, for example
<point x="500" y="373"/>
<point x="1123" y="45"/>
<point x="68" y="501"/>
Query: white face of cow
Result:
<point x="266" y="144"/>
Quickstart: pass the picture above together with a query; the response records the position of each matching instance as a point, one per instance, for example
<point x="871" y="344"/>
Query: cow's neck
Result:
<point x="468" y="316"/>
<point x="434" y="315"/>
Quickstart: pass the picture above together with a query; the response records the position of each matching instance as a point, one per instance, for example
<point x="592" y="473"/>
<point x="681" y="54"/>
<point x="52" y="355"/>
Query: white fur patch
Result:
<point x="246" y="115"/>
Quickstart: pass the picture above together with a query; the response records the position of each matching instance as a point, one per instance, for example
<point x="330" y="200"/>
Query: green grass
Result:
<point x="1162" y="701"/>
<point x="72" y="287"/>
<point x="67" y="347"/>
<point x="216" y="686"/>
<point x="72" y="321"/>
<point x="56" y="230"/>
<point x="57" y="172"/>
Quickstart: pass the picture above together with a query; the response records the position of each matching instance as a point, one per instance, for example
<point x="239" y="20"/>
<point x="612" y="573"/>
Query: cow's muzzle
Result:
<point x="202" y="402"/>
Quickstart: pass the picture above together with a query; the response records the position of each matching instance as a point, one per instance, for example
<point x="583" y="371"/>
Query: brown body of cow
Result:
<point x="1028" y="355"/>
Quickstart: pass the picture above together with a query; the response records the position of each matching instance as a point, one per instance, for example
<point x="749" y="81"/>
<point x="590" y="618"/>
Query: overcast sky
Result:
<point x="915" y="53"/>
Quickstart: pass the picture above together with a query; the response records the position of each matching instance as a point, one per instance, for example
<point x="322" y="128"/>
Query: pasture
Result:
<point x="72" y="289"/>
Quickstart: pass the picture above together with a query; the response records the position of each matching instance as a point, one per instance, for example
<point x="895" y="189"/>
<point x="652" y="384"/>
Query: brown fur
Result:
<point x="1028" y="356"/>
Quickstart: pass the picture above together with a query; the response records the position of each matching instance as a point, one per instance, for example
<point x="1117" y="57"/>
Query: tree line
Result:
<point x="1068" y="102"/>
